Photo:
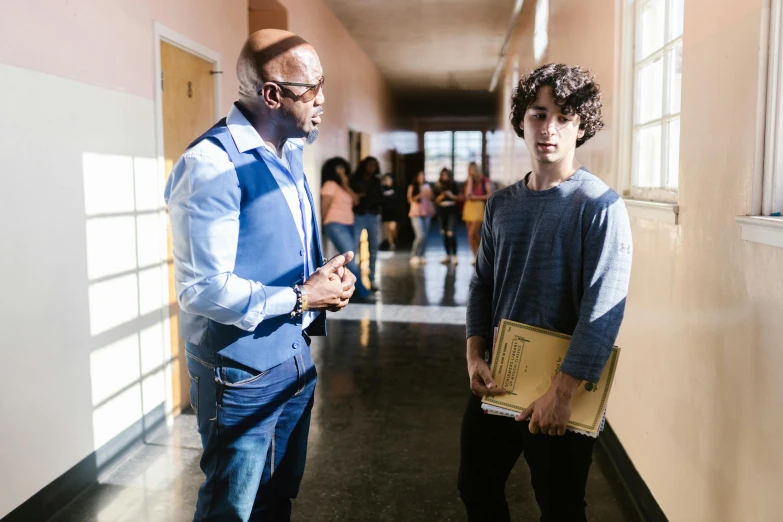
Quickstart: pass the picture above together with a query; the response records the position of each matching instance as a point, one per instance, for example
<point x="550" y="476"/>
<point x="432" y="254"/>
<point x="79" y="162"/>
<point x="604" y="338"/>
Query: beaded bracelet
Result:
<point x="301" y="301"/>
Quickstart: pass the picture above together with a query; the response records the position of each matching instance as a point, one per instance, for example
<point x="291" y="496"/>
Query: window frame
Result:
<point x="451" y="163"/>
<point x="768" y="171"/>
<point x="761" y="225"/>
<point x="662" y="193"/>
<point x="628" y="125"/>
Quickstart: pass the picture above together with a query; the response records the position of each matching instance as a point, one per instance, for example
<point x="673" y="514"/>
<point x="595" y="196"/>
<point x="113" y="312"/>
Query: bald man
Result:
<point x="251" y="281"/>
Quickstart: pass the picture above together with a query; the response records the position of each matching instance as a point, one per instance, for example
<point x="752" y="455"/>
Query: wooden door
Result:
<point x="188" y="111"/>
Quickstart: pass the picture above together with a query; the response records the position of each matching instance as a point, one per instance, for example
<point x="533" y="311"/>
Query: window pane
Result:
<point x="651" y="32"/>
<point x="437" y="153"/>
<point x="404" y="142"/>
<point x="496" y="141"/>
<point x="675" y="80"/>
<point x="675" y="18"/>
<point x="674" y="154"/>
<point x="467" y="148"/>
<point x="650" y="80"/>
<point x="648" y="157"/>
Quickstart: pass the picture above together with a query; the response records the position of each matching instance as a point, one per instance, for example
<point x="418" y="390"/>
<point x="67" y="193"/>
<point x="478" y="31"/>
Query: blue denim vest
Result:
<point x="269" y="251"/>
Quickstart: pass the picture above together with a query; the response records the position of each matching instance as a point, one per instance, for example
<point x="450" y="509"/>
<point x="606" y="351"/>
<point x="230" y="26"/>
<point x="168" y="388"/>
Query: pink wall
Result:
<point x="357" y="96"/>
<point x="77" y="79"/>
<point x="110" y="43"/>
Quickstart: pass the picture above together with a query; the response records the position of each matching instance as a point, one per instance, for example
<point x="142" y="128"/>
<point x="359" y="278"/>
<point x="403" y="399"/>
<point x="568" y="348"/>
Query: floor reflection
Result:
<point x="384" y="440"/>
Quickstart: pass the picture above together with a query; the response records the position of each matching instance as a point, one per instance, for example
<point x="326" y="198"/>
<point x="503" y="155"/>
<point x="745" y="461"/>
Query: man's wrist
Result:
<point x="302" y="304"/>
<point x="565" y="385"/>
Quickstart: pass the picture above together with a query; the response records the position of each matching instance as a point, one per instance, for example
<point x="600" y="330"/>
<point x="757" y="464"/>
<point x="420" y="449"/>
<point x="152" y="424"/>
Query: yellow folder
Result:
<point x="525" y="359"/>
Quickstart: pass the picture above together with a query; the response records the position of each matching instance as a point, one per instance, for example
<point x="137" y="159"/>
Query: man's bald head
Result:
<point x="271" y="55"/>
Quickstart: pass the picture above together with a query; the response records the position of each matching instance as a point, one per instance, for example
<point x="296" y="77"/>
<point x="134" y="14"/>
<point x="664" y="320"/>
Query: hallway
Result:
<point x="100" y="99"/>
<point x="384" y="439"/>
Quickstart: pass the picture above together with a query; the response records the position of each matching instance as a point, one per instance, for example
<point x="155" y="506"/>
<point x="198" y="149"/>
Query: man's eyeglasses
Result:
<point x="312" y="89"/>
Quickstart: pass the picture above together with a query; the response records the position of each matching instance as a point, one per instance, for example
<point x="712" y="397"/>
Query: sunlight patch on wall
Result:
<point x="113" y="303"/>
<point x="116" y="415"/>
<point x="130" y="368"/>
<point x="114" y="367"/>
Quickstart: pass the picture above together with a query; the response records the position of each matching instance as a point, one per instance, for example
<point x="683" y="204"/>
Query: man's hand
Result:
<point x="349" y="285"/>
<point x="481" y="382"/>
<point x="550" y="414"/>
<point x="325" y="288"/>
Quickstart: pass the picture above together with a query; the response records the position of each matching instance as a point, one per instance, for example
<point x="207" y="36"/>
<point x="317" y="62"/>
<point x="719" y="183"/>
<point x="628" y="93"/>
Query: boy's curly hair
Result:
<point x="574" y="89"/>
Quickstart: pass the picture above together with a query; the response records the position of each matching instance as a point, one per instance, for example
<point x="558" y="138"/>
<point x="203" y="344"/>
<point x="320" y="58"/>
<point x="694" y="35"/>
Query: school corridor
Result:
<point x="98" y="100"/>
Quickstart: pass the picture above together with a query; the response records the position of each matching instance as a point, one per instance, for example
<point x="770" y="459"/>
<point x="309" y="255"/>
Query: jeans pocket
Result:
<point x="236" y="377"/>
<point x="194" y="393"/>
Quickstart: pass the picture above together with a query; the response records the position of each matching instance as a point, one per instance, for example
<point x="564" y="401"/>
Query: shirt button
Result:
<point x="295" y="345"/>
<point x="301" y="252"/>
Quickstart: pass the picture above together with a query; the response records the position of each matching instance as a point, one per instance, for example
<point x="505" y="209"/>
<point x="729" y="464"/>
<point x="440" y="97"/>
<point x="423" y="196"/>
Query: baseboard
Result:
<point x="65" y="488"/>
<point x="642" y="498"/>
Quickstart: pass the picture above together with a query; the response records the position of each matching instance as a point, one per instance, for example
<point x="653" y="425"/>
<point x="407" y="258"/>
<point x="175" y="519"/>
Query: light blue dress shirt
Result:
<point x="205" y="283"/>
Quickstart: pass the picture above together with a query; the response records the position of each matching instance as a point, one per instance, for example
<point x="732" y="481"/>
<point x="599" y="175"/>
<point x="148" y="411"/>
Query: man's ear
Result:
<point x="581" y="134"/>
<point x="271" y="95"/>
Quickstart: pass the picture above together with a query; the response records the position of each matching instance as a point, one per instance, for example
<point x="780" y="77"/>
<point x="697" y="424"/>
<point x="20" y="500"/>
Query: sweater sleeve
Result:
<point x="482" y="284"/>
<point x="607" y="255"/>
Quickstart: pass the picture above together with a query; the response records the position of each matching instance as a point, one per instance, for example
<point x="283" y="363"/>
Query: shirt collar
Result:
<point x="246" y="137"/>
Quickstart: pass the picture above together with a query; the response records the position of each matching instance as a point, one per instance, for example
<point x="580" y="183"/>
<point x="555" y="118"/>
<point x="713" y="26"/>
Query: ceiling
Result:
<point x="430" y="48"/>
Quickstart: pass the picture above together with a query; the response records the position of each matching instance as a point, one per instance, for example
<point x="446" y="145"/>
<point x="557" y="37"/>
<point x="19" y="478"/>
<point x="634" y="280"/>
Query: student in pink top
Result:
<point x="337" y="202"/>
<point x="421" y="212"/>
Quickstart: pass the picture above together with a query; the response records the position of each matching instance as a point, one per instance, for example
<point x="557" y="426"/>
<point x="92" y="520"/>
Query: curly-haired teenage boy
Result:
<point x="555" y="253"/>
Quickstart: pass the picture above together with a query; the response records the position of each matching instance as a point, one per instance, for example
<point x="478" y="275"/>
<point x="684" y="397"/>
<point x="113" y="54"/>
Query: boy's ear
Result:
<point x="581" y="134"/>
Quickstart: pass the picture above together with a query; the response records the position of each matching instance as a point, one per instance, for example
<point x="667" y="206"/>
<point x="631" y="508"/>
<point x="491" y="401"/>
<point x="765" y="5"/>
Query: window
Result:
<point x="768" y="185"/>
<point x="467" y="149"/>
<point x="404" y="142"/>
<point x="496" y="144"/>
<point x="453" y="150"/>
<point x="438" y="153"/>
<point x="657" y="80"/>
<point x="765" y="224"/>
<point x="541" y="30"/>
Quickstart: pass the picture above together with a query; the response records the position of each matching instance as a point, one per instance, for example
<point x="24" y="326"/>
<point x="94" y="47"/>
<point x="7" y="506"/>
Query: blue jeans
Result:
<point x="344" y="240"/>
<point x="253" y="428"/>
<point x="421" y="229"/>
<point x="371" y="222"/>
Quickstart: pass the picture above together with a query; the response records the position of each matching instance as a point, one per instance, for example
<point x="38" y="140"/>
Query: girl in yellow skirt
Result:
<point x="477" y="190"/>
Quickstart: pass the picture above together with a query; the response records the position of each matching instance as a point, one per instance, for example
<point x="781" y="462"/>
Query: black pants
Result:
<point x="490" y="447"/>
<point x="447" y="217"/>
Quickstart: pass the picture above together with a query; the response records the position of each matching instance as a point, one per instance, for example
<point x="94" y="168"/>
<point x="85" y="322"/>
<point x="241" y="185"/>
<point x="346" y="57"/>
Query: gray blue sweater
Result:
<point x="558" y="259"/>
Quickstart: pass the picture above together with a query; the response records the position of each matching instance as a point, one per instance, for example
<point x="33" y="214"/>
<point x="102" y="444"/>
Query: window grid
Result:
<point x="438" y="153"/>
<point x="467" y="149"/>
<point x="496" y="141"/>
<point x="667" y="171"/>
